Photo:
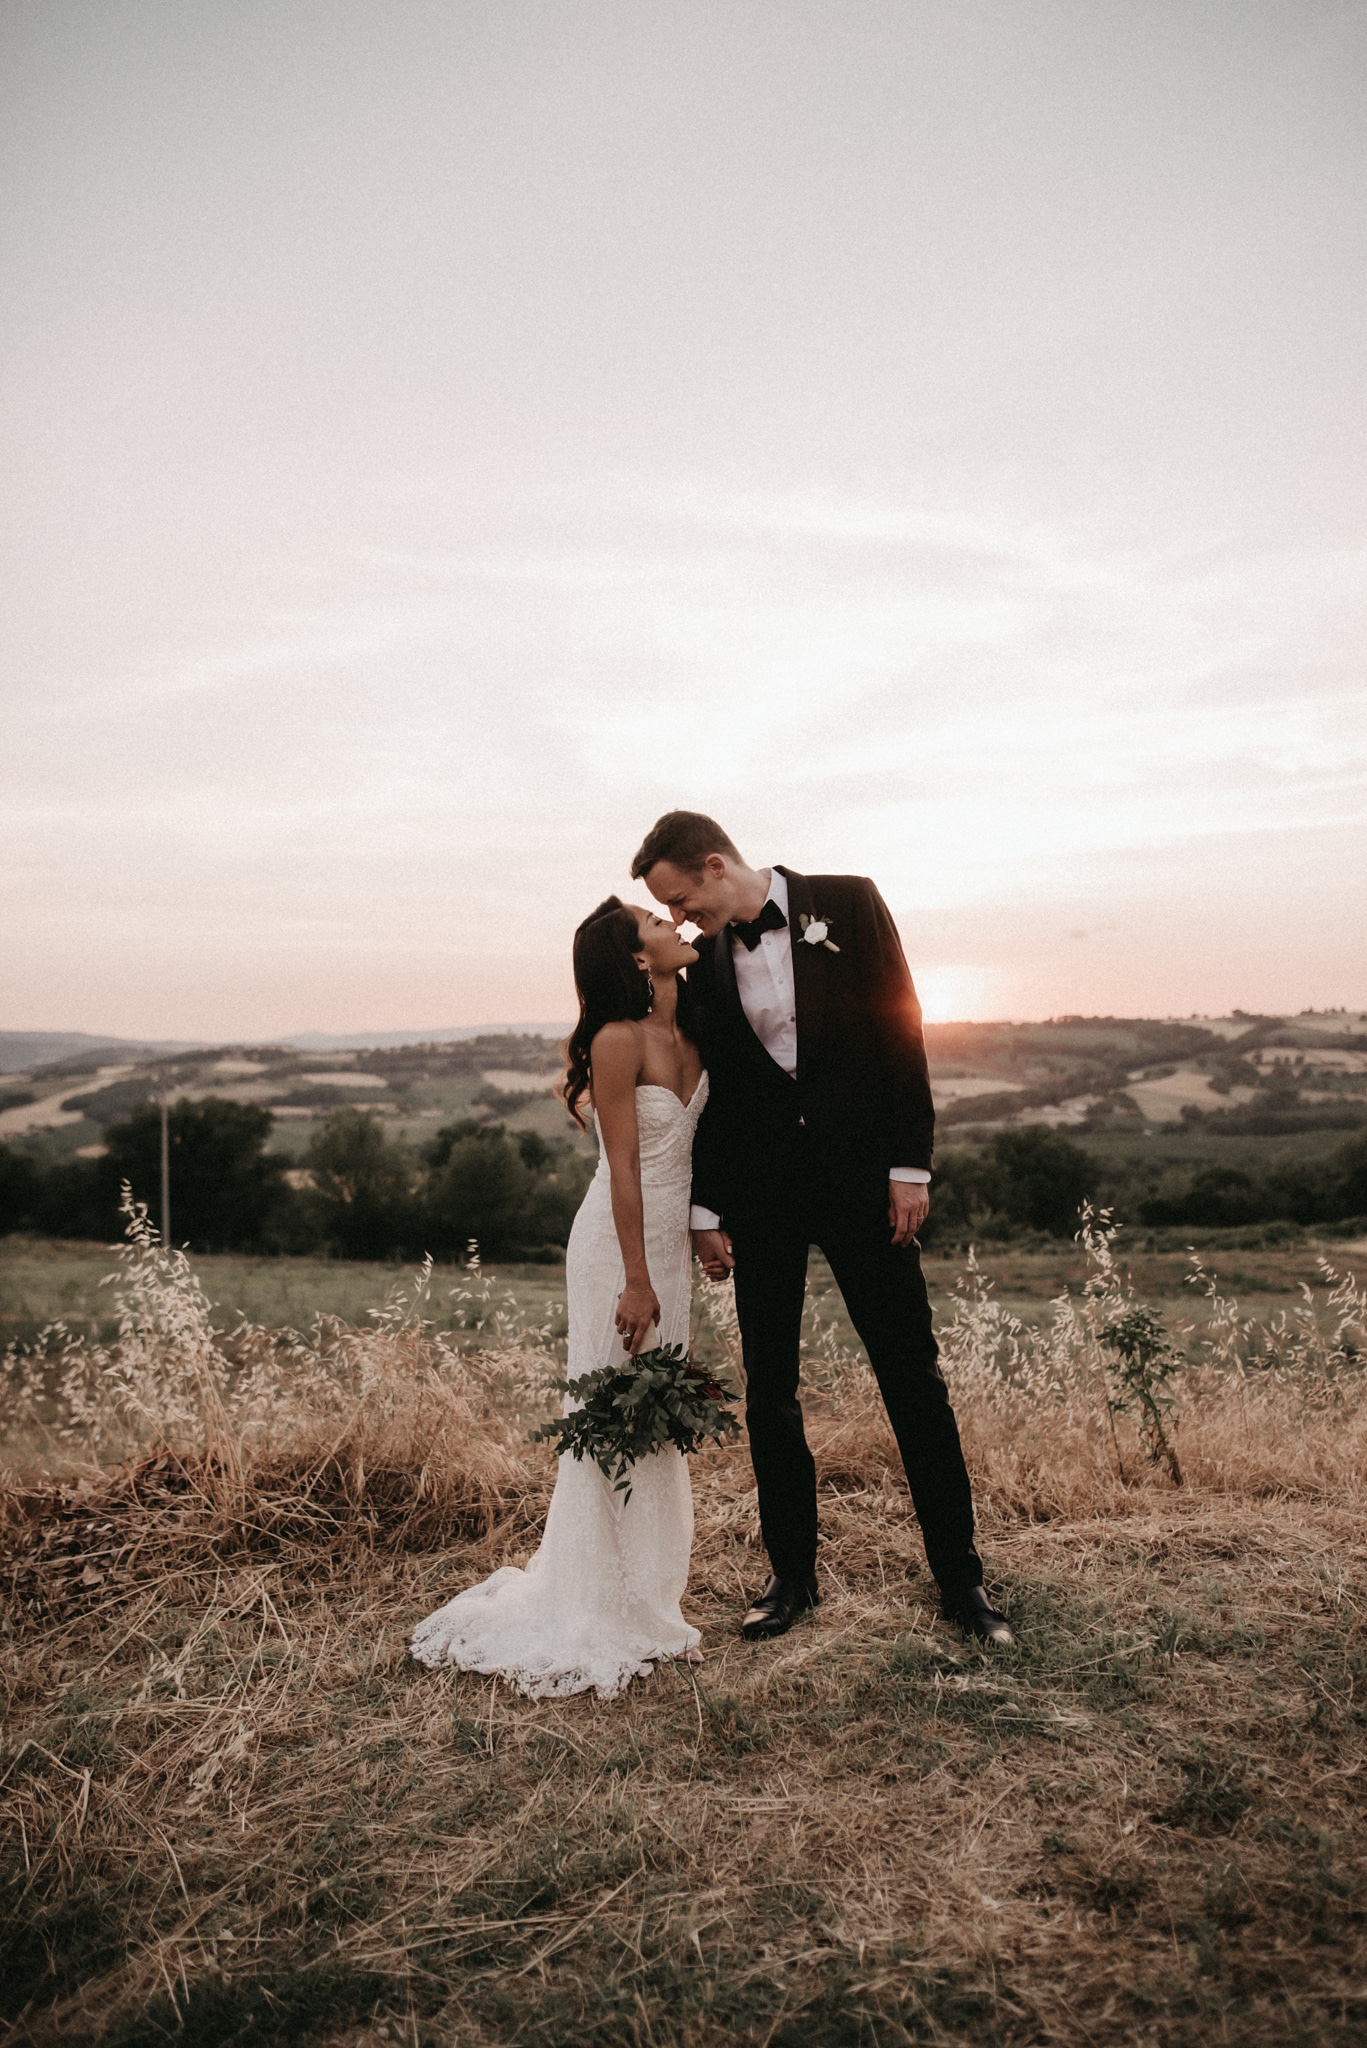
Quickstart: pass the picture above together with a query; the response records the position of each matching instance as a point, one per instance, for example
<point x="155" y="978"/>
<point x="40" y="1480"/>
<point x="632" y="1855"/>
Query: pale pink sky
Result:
<point x="440" y="437"/>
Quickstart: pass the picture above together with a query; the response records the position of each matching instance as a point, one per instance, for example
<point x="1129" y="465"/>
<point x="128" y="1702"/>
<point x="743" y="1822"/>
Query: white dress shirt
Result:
<point x="768" y="996"/>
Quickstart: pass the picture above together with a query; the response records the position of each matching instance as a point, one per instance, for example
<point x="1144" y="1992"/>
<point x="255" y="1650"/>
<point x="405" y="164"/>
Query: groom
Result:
<point x="817" y="1130"/>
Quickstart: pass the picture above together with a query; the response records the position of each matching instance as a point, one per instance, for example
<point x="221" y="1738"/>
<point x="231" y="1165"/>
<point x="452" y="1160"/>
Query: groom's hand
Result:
<point x="712" y="1249"/>
<point x="908" y="1208"/>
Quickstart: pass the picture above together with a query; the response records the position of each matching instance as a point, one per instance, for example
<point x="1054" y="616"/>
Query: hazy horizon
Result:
<point x="928" y="437"/>
<point x="322" y="1041"/>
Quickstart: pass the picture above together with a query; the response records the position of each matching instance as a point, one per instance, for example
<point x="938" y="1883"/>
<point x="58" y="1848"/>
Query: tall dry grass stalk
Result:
<point x="233" y="1810"/>
<point x="1253" y="1407"/>
<point x="396" y="1429"/>
<point x="417" y="1434"/>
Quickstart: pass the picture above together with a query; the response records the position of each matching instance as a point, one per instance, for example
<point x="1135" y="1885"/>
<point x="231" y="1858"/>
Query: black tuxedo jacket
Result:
<point x="860" y="1103"/>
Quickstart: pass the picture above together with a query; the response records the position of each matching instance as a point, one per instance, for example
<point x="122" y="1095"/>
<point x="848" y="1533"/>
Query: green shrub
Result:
<point x="225" y="1189"/>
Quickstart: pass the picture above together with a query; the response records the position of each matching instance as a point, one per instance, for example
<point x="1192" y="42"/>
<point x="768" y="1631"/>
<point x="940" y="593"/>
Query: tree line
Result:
<point x="366" y="1194"/>
<point x="1033" y="1179"/>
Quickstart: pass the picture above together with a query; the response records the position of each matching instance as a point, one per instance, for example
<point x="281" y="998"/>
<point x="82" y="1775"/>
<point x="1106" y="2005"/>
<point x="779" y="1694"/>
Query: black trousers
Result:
<point x="885" y="1293"/>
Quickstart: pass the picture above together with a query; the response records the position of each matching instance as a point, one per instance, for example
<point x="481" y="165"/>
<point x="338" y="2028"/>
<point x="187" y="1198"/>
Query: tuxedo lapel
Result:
<point x="731" y="1020"/>
<point x="724" y="972"/>
<point x="809" y="978"/>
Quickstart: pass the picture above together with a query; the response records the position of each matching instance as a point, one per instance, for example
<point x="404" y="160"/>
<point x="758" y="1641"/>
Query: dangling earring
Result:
<point x="650" y="986"/>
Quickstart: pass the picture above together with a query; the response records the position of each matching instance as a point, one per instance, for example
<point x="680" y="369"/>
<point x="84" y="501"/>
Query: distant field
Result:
<point x="1115" y="1082"/>
<point x="42" y="1281"/>
<point x="430" y="1104"/>
<point x="501" y="1077"/>
<point x="1159" y="1146"/>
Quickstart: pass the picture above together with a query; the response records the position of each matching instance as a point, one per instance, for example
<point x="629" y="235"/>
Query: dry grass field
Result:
<point x="235" y="1811"/>
<point x="44" y="1280"/>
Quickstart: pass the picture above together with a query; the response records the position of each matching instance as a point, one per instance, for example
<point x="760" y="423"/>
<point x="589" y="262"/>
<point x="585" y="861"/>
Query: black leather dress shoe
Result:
<point x="974" y="1611"/>
<point x="778" y="1607"/>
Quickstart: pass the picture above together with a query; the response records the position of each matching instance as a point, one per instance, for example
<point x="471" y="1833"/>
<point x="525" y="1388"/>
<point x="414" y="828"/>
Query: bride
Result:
<point x="599" y="1602"/>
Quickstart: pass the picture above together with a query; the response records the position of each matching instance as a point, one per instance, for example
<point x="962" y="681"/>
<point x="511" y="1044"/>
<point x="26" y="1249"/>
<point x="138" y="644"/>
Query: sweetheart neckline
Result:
<point x="664" y="1088"/>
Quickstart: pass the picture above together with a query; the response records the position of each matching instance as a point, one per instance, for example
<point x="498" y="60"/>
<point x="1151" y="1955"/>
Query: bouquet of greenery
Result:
<point x="658" y="1397"/>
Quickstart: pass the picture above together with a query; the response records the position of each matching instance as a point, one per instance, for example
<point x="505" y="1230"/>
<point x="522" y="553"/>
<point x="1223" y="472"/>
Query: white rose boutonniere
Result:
<point x="816" y="932"/>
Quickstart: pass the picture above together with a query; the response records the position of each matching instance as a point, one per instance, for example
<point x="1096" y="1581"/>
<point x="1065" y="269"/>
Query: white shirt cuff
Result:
<point x="909" y="1173"/>
<point x="703" y="1219"/>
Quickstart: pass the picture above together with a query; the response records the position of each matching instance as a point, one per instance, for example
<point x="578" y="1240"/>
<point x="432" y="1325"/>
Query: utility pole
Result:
<point x="165" y="1178"/>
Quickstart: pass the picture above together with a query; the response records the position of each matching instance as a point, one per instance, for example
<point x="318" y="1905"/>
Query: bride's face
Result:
<point x="663" y="951"/>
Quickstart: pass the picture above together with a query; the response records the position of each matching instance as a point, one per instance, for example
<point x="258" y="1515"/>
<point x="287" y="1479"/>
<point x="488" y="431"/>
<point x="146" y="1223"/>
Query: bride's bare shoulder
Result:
<point x="616" y="1048"/>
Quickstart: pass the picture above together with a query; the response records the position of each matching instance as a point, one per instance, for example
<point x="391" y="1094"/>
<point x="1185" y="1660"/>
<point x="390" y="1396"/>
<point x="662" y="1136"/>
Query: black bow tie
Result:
<point x="751" y="930"/>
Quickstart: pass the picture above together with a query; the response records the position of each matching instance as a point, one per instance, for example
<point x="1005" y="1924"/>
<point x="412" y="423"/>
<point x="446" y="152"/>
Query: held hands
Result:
<point x="637" y="1309"/>
<point x="908" y="1208"/>
<point x="712" y="1249"/>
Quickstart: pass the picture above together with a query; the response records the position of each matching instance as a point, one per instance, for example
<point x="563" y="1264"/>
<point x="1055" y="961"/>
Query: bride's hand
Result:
<point x="637" y="1309"/>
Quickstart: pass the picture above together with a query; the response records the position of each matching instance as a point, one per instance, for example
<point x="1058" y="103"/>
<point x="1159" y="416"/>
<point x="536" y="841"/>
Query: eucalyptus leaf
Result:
<point x="627" y="1411"/>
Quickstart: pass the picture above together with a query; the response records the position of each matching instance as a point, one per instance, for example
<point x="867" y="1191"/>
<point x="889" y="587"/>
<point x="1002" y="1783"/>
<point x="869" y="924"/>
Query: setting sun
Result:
<point x="953" y="994"/>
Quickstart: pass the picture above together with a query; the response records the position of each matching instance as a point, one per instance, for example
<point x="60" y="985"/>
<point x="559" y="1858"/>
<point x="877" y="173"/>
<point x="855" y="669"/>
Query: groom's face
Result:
<point x="706" y="899"/>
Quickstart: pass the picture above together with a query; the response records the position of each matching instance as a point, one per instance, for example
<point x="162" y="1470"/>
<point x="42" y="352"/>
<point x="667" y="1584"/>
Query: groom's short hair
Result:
<point x="684" y="838"/>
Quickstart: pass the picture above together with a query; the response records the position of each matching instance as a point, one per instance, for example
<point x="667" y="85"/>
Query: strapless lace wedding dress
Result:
<point x="599" y="1602"/>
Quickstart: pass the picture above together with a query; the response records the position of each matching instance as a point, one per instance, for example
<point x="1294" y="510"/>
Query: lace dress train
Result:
<point x="599" y="1602"/>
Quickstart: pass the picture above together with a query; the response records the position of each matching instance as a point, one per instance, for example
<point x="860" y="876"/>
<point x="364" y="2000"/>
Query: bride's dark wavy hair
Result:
<point x="610" y="987"/>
